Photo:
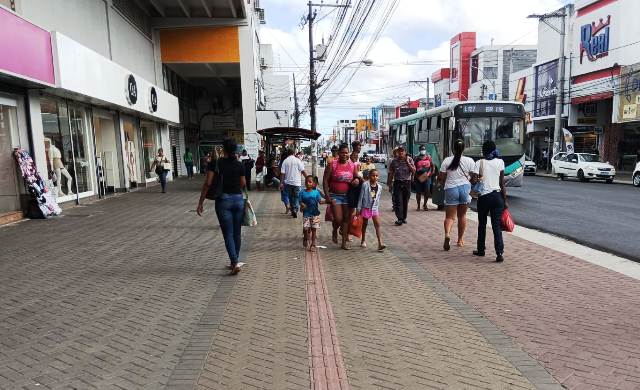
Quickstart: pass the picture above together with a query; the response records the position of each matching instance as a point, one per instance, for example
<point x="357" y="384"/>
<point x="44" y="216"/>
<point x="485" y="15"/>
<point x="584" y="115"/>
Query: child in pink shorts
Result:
<point x="369" y="206"/>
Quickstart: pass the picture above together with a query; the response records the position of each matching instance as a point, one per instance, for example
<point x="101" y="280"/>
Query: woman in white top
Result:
<point x="161" y="167"/>
<point x="455" y="173"/>
<point x="493" y="197"/>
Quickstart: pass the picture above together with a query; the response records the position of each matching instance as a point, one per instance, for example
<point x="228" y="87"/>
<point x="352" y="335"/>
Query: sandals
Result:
<point x="447" y="244"/>
<point x="363" y="244"/>
<point x="382" y="248"/>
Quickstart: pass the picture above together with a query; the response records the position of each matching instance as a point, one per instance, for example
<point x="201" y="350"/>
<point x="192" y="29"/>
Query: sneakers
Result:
<point x="294" y="214"/>
<point x="447" y="244"/>
<point x="499" y="258"/>
<point x="398" y="222"/>
<point x="478" y="253"/>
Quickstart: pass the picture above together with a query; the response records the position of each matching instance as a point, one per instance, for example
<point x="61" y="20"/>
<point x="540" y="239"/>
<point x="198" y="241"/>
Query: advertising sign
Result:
<point x="629" y="93"/>
<point x="568" y="140"/>
<point x="546" y="88"/>
<point x="594" y="40"/>
<point x="455" y="67"/>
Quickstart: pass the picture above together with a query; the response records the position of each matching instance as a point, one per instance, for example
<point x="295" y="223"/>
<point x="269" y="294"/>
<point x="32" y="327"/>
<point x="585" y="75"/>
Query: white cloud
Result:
<point x="418" y="32"/>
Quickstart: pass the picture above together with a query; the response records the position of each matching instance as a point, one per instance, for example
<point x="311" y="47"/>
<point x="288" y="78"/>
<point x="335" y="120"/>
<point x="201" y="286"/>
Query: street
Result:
<point x="599" y="215"/>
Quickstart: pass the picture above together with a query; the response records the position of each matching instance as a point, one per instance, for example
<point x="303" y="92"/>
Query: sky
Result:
<point x="414" y="44"/>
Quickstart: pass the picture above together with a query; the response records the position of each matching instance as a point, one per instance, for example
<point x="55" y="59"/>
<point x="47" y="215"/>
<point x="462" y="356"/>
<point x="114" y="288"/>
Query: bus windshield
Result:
<point x="504" y="131"/>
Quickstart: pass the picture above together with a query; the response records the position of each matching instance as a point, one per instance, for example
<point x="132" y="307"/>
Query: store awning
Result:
<point x="284" y="133"/>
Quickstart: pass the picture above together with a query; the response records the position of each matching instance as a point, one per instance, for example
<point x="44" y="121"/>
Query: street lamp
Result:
<point x="313" y="86"/>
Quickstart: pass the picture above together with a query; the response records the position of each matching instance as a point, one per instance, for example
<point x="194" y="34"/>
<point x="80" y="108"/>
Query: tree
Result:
<point x="306" y="150"/>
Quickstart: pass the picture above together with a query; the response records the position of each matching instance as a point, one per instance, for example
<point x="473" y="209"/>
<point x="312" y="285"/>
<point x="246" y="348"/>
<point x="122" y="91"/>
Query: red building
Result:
<point x="461" y="47"/>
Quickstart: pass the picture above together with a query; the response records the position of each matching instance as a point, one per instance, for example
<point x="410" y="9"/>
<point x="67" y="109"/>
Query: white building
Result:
<point x="278" y="109"/>
<point x="602" y="57"/>
<point x="491" y="67"/>
<point x="345" y="131"/>
<point x="91" y="89"/>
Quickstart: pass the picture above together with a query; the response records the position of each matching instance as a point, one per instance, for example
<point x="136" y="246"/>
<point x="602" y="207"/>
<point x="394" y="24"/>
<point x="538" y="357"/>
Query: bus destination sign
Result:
<point x="487" y="109"/>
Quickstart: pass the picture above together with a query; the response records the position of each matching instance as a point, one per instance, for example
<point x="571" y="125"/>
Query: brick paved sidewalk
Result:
<point x="131" y="293"/>
<point x="581" y="321"/>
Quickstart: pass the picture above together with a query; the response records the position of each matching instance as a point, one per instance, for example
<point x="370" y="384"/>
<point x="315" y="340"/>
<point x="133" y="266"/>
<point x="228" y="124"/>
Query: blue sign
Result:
<point x="594" y="40"/>
<point x="546" y="89"/>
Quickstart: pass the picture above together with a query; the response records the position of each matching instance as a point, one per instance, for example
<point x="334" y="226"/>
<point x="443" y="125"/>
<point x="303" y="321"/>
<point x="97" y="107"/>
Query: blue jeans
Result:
<point x="230" y="209"/>
<point x="294" y="198"/>
<point x="163" y="180"/>
<point x="189" y="166"/>
<point x="493" y="204"/>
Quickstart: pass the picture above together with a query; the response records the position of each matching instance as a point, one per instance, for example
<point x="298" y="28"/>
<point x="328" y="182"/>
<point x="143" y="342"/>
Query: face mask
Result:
<point x="423" y="152"/>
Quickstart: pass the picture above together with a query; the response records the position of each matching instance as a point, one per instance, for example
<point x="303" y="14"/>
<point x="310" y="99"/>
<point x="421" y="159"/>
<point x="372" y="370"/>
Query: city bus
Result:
<point x="474" y="122"/>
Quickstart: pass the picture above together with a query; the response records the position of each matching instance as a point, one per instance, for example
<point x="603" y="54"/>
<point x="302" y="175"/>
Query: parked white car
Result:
<point x="530" y="168"/>
<point x="636" y="175"/>
<point x="584" y="166"/>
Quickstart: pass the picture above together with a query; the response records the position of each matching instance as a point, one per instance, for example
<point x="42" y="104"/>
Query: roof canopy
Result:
<point x="282" y="133"/>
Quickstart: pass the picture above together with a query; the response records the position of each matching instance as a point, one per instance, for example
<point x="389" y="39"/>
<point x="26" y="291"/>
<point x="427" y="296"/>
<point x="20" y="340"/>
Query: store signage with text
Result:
<point x="594" y="40"/>
<point x="546" y="89"/>
<point x="629" y="93"/>
<point x="131" y="91"/>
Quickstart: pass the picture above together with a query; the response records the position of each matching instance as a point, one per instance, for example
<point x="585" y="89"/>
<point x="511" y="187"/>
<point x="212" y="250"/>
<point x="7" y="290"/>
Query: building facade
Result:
<point x="92" y="89"/>
<point x="491" y="66"/>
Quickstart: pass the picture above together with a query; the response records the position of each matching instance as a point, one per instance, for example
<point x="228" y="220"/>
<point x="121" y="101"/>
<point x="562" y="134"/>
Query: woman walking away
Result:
<point x="454" y="173"/>
<point x="422" y="179"/>
<point x="369" y="206"/>
<point x="336" y="181"/>
<point x="160" y="166"/>
<point x="493" y="198"/>
<point x="230" y="202"/>
<point x="188" y="162"/>
<point x="284" y="194"/>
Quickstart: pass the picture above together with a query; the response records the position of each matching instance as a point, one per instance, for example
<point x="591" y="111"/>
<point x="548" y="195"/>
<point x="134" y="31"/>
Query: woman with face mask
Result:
<point x="422" y="178"/>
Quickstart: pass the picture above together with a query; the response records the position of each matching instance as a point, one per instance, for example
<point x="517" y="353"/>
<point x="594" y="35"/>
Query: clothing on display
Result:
<point x="131" y="161"/>
<point x="44" y="205"/>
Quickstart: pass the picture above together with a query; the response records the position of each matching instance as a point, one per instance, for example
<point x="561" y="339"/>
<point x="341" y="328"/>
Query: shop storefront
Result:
<point x="108" y="128"/>
<point x="26" y="62"/>
<point x="628" y="115"/>
<point x="150" y="145"/>
<point x="68" y="148"/>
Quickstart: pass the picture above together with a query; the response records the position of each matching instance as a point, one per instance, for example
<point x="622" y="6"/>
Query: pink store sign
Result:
<point x="25" y="49"/>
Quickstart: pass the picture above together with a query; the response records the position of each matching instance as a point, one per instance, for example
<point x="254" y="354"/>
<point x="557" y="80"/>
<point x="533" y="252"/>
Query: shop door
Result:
<point x="9" y="194"/>
<point x="107" y="153"/>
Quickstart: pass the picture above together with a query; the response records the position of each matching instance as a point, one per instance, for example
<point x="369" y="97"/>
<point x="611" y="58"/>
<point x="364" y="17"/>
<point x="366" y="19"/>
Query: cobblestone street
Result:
<point x="132" y="293"/>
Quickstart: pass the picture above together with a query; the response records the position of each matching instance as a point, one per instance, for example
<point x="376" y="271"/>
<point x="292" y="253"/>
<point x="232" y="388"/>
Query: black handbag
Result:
<point x="215" y="189"/>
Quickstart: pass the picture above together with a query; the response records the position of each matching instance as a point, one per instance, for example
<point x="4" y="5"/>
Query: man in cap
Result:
<point x="400" y="173"/>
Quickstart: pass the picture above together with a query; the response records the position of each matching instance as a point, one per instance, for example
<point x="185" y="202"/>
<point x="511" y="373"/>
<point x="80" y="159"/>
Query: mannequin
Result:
<point x="55" y="161"/>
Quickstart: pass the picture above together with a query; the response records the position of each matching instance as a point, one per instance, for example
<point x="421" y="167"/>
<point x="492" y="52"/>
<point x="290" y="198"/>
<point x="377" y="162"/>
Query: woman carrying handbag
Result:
<point x="161" y="166"/>
<point x="225" y="183"/>
<point x="488" y="180"/>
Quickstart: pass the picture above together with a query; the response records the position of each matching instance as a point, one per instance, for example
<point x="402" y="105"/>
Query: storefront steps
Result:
<point x="12" y="217"/>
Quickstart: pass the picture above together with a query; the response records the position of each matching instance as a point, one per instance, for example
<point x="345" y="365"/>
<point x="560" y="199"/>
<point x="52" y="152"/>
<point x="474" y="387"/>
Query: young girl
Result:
<point x="368" y="207"/>
<point x="310" y="200"/>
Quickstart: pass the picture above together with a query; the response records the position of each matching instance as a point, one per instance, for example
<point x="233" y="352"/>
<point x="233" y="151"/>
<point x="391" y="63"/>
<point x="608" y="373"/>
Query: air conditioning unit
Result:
<point x="261" y="15"/>
<point x="263" y="63"/>
<point x="256" y="4"/>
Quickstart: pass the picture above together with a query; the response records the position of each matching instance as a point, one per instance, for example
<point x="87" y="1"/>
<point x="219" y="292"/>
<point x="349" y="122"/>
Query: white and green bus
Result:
<point x="474" y="122"/>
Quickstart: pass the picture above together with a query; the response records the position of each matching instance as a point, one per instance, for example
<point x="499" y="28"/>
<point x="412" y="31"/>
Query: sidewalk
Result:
<point x="131" y="293"/>
<point x="620" y="179"/>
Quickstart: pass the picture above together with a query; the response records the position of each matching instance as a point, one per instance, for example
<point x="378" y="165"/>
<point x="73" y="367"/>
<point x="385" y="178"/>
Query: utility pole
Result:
<point x="312" y="91"/>
<point x="419" y="82"/>
<point x="562" y="14"/>
<point x="312" y="81"/>
<point x="296" y="112"/>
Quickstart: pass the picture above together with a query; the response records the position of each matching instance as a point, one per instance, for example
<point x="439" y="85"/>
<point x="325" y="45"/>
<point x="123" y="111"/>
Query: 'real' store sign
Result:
<point x="594" y="40"/>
